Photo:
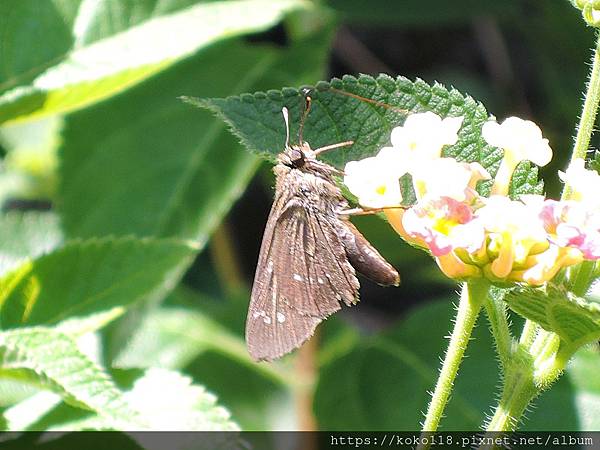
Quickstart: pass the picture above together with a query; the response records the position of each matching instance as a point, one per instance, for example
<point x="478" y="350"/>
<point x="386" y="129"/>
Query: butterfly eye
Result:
<point x="297" y="158"/>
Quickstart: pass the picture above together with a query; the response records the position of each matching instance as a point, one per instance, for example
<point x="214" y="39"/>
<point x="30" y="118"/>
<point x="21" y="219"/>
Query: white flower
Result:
<point x="446" y="177"/>
<point x="584" y="183"/>
<point x="501" y="214"/>
<point x="375" y="180"/>
<point x="424" y="134"/>
<point x="522" y="141"/>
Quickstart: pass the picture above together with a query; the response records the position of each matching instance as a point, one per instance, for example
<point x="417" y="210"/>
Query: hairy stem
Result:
<point x="519" y="389"/>
<point x="530" y="330"/>
<point x="472" y="297"/>
<point x="496" y="313"/>
<point x="581" y="277"/>
<point x="588" y="114"/>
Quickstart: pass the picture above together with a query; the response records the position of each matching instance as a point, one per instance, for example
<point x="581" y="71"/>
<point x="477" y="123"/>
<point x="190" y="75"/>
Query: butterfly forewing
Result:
<point x="307" y="261"/>
<point x="302" y="276"/>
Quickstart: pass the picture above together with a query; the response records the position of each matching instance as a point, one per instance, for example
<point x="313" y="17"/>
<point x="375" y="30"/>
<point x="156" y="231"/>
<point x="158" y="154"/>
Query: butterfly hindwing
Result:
<point x="302" y="275"/>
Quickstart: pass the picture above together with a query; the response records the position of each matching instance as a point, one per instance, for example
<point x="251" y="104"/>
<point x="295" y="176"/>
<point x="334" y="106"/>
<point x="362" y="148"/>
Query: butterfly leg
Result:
<point x="366" y="211"/>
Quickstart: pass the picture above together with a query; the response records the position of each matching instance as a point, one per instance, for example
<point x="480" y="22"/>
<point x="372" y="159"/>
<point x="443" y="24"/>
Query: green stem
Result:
<point x="582" y="276"/>
<point x="496" y="312"/>
<point x="551" y="361"/>
<point x="472" y="297"/>
<point x="519" y="390"/>
<point x="588" y="114"/>
<point x="528" y="335"/>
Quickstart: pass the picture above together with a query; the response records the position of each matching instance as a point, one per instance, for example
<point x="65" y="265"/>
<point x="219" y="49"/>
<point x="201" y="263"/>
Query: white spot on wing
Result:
<point x="320" y="280"/>
<point x="267" y="320"/>
<point x="280" y="317"/>
<point x="298" y="277"/>
<point x="270" y="266"/>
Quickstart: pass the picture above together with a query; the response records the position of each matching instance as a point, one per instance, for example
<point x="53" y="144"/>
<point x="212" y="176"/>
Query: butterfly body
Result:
<point x="307" y="261"/>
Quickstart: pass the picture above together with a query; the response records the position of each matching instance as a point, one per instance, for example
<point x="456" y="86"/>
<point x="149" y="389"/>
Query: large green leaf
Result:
<point x="386" y="380"/>
<point x="159" y="400"/>
<point x="165" y="400"/>
<point x="174" y="337"/>
<point x="338" y="114"/>
<point x="26" y="235"/>
<point x="89" y="277"/>
<point x="168" y="400"/>
<point x="96" y="51"/>
<point x="148" y="164"/>
<point x="51" y="360"/>
<point x="195" y="339"/>
<point x="31" y="409"/>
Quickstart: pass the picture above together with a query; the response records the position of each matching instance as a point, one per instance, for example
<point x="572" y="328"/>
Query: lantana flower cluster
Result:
<point x="505" y="240"/>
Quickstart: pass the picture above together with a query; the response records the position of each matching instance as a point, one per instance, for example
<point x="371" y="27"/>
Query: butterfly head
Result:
<point x="294" y="156"/>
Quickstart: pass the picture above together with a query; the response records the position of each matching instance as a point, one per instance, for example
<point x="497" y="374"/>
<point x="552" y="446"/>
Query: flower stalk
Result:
<point x="472" y="298"/>
<point x="588" y="114"/>
<point x="518" y="391"/>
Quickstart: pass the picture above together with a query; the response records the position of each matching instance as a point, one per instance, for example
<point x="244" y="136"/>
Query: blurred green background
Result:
<point x="95" y="139"/>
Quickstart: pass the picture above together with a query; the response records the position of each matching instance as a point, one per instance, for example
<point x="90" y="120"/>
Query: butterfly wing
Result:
<point x="302" y="275"/>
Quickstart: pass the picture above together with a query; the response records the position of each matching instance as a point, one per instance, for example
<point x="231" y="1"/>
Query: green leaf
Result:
<point x="192" y="337"/>
<point x="80" y="326"/>
<point x="25" y="413"/>
<point x="145" y="163"/>
<point x="163" y="400"/>
<point x="168" y="400"/>
<point x="90" y="277"/>
<point x="386" y="379"/>
<point x="574" y="319"/>
<point x="174" y="337"/>
<point x="51" y="360"/>
<point x="103" y="50"/>
<point x="338" y="114"/>
<point x="62" y="440"/>
<point x="30" y="165"/>
<point x="27" y="235"/>
<point x="581" y="372"/>
<point x="159" y="400"/>
<point x="525" y="181"/>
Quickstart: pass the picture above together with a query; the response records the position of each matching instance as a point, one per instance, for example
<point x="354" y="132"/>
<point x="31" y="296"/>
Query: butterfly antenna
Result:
<point x="286" y="119"/>
<point x="307" y="103"/>
<point x="370" y="100"/>
<point x="320" y="150"/>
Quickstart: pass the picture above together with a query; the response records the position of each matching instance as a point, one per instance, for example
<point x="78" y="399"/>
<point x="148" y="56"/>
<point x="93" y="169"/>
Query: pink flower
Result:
<point x="570" y="224"/>
<point x="441" y="223"/>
